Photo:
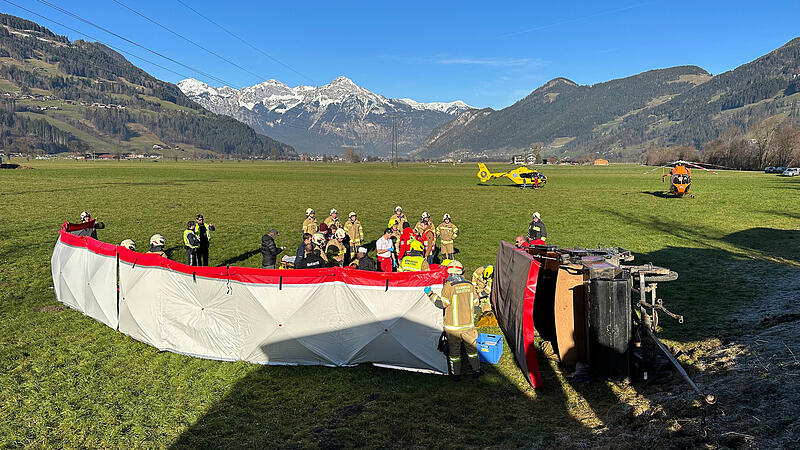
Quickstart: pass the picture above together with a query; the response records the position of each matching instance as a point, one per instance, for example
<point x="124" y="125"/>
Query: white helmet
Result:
<point x="318" y="238"/>
<point x="85" y="214"/>
<point x="426" y="215"/>
<point x="309" y="212"/>
<point x="351" y="214"/>
<point x="398" y="209"/>
<point x="157" y="239"/>
<point x="446" y="216"/>
<point x="340" y="234"/>
<point x="334" y="211"/>
<point x="129" y="244"/>
<point x="455" y="267"/>
<point x="536" y="215"/>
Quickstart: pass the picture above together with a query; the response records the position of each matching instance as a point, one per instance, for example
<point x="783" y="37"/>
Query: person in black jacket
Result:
<point x="301" y="249"/>
<point x="537" y="231"/>
<point x="311" y="259"/>
<point x="363" y="261"/>
<point x="269" y="251"/>
<point x="203" y="232"/>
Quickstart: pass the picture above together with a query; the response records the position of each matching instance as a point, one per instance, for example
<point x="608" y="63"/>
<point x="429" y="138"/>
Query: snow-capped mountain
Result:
<point x="328" y="118"/>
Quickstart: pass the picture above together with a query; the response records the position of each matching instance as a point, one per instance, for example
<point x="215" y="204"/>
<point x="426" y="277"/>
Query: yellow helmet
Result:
<point x="488" y="271"/>
<point x="415" y="245"/>
<point x="455" y="267"/>
<point x="446" y="262"/>
<point x="392" y="222"/>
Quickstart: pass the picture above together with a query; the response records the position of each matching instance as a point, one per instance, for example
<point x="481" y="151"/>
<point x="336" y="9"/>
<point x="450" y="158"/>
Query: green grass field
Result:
<point x="69" y="381"/>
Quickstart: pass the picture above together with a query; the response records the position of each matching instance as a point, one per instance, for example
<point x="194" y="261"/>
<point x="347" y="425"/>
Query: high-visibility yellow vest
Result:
<point x="197" y="231"/>
<point x="412" y="264"/>
<point x="186" y="234"/>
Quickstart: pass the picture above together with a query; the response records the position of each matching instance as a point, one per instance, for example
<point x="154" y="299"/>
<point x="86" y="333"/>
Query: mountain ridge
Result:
<point x="327" y="118"/>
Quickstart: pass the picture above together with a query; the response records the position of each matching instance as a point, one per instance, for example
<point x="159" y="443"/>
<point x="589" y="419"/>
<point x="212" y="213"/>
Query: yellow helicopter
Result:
<point x="521" y="176"/>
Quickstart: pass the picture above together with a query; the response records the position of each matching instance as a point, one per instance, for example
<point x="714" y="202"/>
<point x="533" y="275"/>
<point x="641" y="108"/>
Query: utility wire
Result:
<point x="258" y="77"/>
<point x="62" y="10"/>
<point x="97" y="40"/>
<point x="249" y="44"/>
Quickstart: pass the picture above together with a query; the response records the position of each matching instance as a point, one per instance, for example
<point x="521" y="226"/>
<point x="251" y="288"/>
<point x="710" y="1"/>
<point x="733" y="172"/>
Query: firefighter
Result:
<point x="425" y="219"/>
<point x="333" y="219"/>
<point x="203" y="232"/>
<point x="399" y="217"/>
<point x="336" y="243"/>
<point x="447" y="232"/>
<point x="310" y="224"/>
<point x="93" y="227"/>
<point x="482" y="280"/>
<point x="354" y="229"/>
<point x="157" y="243"/>
<point x="537" y="232"/>
<point x="414" y="260"/>
<point x="459" y="302"/>
<point x="318" y="241"/>
<point x="129" y="244"/>
<point x="190" y="243"/>
<point x="428" y="241"/>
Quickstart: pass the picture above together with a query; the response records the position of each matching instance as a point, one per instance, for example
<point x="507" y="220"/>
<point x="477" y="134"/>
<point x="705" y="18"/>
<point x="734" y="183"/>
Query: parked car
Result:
<point x="769" y="169"/>
<point x="779" y="170"/>
<point x="790" y="172"/>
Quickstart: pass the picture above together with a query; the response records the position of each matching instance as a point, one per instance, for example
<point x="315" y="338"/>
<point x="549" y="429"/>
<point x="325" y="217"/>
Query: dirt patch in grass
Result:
<point x="50" y="308"/>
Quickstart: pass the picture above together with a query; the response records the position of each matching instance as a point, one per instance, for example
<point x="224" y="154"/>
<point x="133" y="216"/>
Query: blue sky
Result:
<point x="485" y="53"/>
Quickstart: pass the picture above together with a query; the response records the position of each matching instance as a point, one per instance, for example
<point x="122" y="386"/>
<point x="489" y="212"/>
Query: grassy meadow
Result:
<point x="69" y="381"/>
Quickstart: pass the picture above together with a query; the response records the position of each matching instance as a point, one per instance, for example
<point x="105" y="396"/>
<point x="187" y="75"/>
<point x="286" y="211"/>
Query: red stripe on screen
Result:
<point x="534" y="376"/>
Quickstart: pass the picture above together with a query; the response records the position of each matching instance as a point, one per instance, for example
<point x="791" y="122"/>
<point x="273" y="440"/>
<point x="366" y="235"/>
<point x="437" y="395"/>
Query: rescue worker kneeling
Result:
<point x="414" y="260"/>
<point x="459" y="301"/>
<point x="482" y="280"/>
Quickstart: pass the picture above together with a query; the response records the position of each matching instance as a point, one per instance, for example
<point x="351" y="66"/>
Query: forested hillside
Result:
<point x="622" y="119"/>
<point x="59" y="96"/>
<point x="561" y="109"/>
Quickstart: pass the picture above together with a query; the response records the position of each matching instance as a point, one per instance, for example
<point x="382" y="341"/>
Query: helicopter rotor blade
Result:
<point x="699" y="167"/>
<point x="656" y="168"/>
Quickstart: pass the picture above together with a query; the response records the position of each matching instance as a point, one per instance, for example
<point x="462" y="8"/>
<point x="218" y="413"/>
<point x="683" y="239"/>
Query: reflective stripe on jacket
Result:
<point x="190" y="239"/>
<point x="413" y="264"/>
<point x="447" y="232"/>
<point x="458" y="300"/>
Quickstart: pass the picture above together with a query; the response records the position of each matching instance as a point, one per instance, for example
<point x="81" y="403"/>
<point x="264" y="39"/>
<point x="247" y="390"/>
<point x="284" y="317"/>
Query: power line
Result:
<point x="258" y="77"/>
<point x="97" y="40"/>
<point x="248" y="44"/>
<point x="64" y="11"/>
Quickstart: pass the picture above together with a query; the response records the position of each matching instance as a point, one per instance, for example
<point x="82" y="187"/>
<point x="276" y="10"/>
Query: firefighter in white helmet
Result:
<point x="310" y="224"/>
<point x="355" y="231"/>
<point x="447" y="232"/>
<point x="157" y="243"/>
<point x="129" y="244"/>
<point x="399" y="217"/>
<point x="459" y="301"/>
<point x="425" y="219"/>
<point x="333" y="219"/>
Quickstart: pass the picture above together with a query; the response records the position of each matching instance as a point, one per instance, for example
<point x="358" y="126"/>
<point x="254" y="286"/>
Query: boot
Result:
<point x="455" y="377"/>
<point x="477" y="374"/>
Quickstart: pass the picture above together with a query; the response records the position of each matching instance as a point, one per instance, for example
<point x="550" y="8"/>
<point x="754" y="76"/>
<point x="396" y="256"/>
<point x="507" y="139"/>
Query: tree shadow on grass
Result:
<point x="239" y="258"/>
<point x="324" y="407"/>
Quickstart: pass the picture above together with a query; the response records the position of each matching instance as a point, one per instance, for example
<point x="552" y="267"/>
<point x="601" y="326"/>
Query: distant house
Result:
<point x="518" y="160"/>
<point x="600" y="162"/>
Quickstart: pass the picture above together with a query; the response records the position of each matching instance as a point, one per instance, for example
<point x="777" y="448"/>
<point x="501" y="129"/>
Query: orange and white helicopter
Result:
<point x="680" y="175"/>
